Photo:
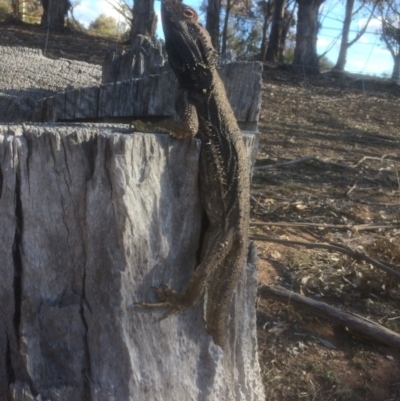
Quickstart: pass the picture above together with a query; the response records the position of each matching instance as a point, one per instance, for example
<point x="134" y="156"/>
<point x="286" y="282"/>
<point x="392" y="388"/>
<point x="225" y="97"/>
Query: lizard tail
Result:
<point x="220" y="291"/>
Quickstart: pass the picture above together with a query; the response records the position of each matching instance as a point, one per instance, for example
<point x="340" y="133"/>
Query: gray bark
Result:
<point x="266" y="9"/>
<point x="147" y="57"/>
<point x="341" y="61"/>
<point x="277" y="30"/>
<point x="54" y="13"/>
<point x="305" y="53"/>
<point x="396" y="68"/>
<point x="144" y="20"/>
<point x="228" y="8"/>
<point x="212" y="21"/>
<point x="92" y="218"/>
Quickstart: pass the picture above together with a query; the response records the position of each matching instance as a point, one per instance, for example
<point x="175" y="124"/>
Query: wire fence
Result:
<point x="331" y="40"/>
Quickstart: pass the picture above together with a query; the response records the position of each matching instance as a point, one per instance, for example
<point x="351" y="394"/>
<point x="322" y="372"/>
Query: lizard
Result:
<point x="224" y="170"/>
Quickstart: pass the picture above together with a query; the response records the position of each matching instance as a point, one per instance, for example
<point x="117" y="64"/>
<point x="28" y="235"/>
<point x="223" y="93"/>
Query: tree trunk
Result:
<point x="277" y="30"/>
<point x="287" y="23"/>
<point x="341" y="61"/>
<point x="144" y="20"/>
<point x="267" y="13"/>
<point x="225" y="28"/>
<point x="305" y="53"/>
<point x="54" y="13"/>
<point x="396" y="67"/>
<point x="212" y="22"/>
<point x="16" y="10"/>
<point x="91" y="218"/>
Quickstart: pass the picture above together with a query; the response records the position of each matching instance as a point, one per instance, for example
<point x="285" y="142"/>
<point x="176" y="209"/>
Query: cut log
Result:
<point x="152" y="95"/>
<point x="27" y="76"/>
<point x="91" y="218"/>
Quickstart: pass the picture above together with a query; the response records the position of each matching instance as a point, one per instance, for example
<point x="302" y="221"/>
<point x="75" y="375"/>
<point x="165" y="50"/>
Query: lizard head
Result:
<point x="188" y="44"/>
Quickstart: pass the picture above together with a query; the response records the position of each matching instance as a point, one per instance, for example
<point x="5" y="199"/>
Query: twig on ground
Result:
<point x="332" y="247"/>
<point x="372" y="158"/>
<point x="302" y="160"/>
<point x="353" y="322"/>
<point x="354" y="227"/>
<point x="351" y="189"/>
<point x="323" y="161"/>
<point x="273" y="208"/>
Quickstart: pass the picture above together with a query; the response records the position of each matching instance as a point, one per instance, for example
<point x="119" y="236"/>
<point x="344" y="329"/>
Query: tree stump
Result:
<point x="27" y="76"/>
<point x="91" y="218"/>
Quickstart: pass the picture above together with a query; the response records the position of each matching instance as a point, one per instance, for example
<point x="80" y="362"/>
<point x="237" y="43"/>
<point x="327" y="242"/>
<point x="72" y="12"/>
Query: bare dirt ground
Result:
<point x="68" y="44"/>
<point x="352" y="127"/>
<point x="347" y="131"/>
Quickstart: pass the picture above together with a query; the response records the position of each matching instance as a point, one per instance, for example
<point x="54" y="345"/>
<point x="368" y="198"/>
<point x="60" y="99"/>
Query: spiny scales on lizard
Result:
<point x="224" y="175"/>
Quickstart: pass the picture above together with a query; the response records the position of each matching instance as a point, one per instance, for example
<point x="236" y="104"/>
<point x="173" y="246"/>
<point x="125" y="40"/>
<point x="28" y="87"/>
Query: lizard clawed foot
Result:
<point x="168" y="299"/>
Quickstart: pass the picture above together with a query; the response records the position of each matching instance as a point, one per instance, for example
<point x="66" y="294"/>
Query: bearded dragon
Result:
<point x="224" y="171"/>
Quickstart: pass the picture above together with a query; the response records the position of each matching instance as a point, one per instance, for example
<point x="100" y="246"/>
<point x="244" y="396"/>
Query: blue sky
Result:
<point x="368" y="55"/>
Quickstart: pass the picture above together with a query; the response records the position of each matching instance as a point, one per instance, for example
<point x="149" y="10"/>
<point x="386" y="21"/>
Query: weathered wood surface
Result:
<point x="153" y="95"/>
<point x="91" y="217"/>
<point x="27" y="76"/>
<point x="146" y="57"/>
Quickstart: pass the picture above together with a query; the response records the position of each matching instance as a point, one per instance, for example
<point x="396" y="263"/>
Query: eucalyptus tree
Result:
<point x="367" y="5"/>
<point x="305" y="54"/>
<point x="144" y="20"/>
<point x="389" y="12"/>
<point x="213" y="13"/>
<point x="54" y="13"/>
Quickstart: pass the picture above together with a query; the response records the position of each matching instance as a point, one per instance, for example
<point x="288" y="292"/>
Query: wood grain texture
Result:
<point x="146" y="57"/>
<point x="26" y="76"/>
<point x="154" y="95"/>
<point x="94" y="217"/>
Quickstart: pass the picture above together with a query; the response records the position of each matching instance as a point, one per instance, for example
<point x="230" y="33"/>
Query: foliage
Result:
<point x="106" y="26"/>
<point x="75" y="25"/>
<point x="33" y="12"/>
<point x="243" y="28"/>
<point x="124" y="8"/>
<point x="30" y="10"/>
<point x="288" y="55"/>
<point x="5" y="9"/>
<point x="244" y="35"/>
<point x="325" y="63"/>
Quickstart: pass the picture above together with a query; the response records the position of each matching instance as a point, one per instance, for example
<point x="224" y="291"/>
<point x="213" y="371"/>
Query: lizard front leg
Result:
<point x="218" y="244"/>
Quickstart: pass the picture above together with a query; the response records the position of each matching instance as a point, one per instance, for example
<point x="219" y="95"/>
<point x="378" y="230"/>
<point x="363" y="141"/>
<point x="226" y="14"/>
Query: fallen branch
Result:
<point x="323" y="161"/>
<point x="354" y="227"/>
<point x="332" y="247"/>
<point x="352" y="321"/>
<point x="302" y="160"/>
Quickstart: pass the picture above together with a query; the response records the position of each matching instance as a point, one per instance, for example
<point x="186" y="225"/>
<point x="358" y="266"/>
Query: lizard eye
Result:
<point x="189" y="13"/>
